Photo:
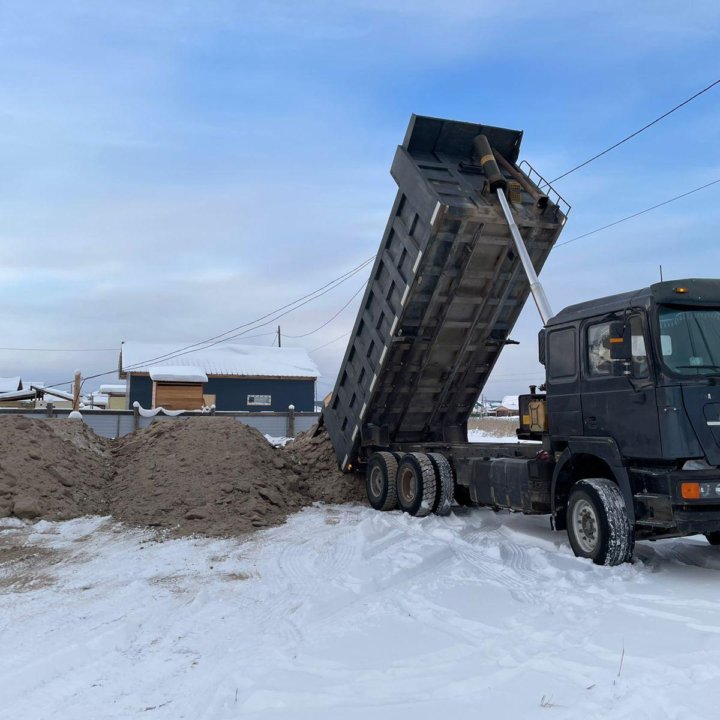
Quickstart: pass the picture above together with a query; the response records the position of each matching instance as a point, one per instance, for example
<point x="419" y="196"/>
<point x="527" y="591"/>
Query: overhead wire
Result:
<point x="319" y="347"/>
<point x="222" y="337"/>
<point x="637" y="214"/>
<point x="327" y="322"/>
<point x="637" y="132"/>
<point x="12" y="349"/>
<point x="252" y="325"/>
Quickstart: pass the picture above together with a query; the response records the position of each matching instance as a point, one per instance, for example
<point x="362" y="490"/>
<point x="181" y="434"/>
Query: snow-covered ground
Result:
<point x="345" y="612"/>
<point x="482" y="436"/>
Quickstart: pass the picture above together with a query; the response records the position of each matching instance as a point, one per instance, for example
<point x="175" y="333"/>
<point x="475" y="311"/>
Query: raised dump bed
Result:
<point x="445" y="291"/>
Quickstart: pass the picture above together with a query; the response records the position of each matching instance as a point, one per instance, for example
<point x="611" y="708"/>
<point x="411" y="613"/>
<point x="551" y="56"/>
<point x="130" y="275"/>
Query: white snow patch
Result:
<point x="175" y="373"/>
<point x="278" y="441"/>
<point x="482" y="436"/>
<point x="345" y="612"/>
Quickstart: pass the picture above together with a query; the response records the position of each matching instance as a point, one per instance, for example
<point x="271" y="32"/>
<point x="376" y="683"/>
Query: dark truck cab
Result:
<point x="633" y="395"/>
<point x="623" y="440"/>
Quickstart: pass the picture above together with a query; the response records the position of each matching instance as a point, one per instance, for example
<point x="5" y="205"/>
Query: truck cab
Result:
<point x="632" y="394"/>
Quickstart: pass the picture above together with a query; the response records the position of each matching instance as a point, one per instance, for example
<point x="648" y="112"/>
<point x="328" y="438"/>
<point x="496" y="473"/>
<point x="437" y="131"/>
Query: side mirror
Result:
<point x="541" y="347"/>
<point x="620" y="342"/>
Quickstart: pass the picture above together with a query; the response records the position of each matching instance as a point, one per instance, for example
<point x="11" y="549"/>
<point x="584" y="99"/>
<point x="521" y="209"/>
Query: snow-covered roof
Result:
<point x="117" y="389"/>
<point x="97" y="398"/>
<point x="19" y="395"/>
<point x="230" y="359"/>
<point x="10" y="384"/>
<point x="511" y="402"/>
<point x="178" y="373"/>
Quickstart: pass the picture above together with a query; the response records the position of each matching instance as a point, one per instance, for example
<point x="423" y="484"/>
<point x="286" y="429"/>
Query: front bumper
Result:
<point x="665" y="511"/>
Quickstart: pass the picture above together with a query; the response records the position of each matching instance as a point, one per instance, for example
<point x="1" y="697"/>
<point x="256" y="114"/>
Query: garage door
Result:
<point x="178" y="396"/>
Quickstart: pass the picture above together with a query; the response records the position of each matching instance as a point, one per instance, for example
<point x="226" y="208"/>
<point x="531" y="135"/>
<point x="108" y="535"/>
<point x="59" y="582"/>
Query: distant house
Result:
<point x="230" y="377"/>
<point x="11" y="392"/>
<point x="509" y="407"/>
<point x="116" y="395"/>
<point x="10" y="384"/>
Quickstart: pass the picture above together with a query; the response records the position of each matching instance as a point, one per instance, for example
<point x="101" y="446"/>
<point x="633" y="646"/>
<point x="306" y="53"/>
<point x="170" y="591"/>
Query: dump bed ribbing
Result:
<point x="444" y="293"/>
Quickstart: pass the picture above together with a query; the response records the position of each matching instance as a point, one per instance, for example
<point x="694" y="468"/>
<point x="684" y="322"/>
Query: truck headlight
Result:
<point x="695" y="490"/>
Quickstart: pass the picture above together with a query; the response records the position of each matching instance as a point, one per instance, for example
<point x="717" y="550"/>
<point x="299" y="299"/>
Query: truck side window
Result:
<point x="561" y="354"/>
<point x="598" y="350"/>
<point x="640" y="367"/>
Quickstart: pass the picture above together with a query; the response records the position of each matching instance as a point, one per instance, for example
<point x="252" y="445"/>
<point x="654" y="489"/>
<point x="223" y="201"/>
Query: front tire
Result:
<point x="380" y="483"/>
<point x="597" y="522"/>
<point x="416" y="484"/>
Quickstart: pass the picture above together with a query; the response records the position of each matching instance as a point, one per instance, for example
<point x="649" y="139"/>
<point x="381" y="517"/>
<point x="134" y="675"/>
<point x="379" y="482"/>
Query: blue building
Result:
<point x="231" y="377"/>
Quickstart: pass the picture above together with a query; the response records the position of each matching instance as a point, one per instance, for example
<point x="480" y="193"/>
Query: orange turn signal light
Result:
<point x="690" y="490"/>
<point x="680" y="290"/>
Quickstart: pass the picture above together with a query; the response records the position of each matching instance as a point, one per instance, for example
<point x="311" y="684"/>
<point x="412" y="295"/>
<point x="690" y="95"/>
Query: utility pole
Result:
<point x="76" y="391"/>
<point x="279" y="338"/>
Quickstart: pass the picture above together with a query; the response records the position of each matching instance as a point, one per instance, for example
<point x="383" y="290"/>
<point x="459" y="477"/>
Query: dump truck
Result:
<point x="621" y="442"/>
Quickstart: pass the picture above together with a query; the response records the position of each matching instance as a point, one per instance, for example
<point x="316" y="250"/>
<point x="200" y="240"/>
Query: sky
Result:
<point x="171" y="170"/>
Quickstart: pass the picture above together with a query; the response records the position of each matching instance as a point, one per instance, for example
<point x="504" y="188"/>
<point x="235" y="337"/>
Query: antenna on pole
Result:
<point x="661" y="277"/>
<point x="279" y="337"/>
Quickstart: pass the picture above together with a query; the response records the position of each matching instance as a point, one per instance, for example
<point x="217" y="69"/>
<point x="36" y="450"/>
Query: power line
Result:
<point x="327" y="322"/>
<point x="641" y="212"/>
<point x="637" y="132"/>
<point x="319" y="347"/>
<point x="59" y="349"/>
<point x="223" y="337"/>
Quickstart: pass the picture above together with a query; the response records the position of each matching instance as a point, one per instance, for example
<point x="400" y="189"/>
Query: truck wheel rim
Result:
<point x="376" y="481"/>
<point x="408" y="486"/>
<point x="585" y="524"/>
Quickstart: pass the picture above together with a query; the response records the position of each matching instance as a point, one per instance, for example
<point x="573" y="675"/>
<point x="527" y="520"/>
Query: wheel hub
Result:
<point x="376" y="481"/>
<point x="585" y="523"/>
<point x="407" y="486"/>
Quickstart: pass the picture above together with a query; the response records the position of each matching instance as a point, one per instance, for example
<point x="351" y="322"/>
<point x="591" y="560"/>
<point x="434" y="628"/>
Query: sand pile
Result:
<point x="52" y="469"/>
<point x="214" y="476"/>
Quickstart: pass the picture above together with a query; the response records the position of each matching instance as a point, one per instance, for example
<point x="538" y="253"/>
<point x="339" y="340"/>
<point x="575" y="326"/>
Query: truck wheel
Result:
<point x="713" y="538"/>
<point x="380" y="481"/>
<point x="416" y="484"/>
<point x="597" y="522"/>
<point x="445" y="483"/>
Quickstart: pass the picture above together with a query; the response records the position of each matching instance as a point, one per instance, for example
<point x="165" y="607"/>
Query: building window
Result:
<point x="259" y="400"/>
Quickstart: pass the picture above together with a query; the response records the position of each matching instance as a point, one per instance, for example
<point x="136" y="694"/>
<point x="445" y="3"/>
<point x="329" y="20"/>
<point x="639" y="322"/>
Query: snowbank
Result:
<point x="345" y="612"/>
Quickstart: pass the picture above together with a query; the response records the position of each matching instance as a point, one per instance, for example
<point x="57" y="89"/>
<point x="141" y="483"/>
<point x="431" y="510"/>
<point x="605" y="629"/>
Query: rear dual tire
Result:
<point x="417" y="483"/>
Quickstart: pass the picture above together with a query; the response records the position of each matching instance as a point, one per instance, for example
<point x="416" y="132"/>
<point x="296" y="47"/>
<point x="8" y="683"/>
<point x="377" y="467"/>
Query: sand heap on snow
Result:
<point x="51" y="469"/>
<point x="218" y="476"/>
<point x="208" y="475"/>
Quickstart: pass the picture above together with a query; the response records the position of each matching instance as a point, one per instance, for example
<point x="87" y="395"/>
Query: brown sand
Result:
<point x="213" y="476"/>
<point x="52" y="469"/>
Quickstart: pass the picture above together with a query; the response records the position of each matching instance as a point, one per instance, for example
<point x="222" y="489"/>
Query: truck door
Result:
<point x="563" y="387"/>
<point x="614" y="404"/>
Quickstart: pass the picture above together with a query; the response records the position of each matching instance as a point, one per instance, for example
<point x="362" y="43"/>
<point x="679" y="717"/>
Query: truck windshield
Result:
<point x="690" y="340"/>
